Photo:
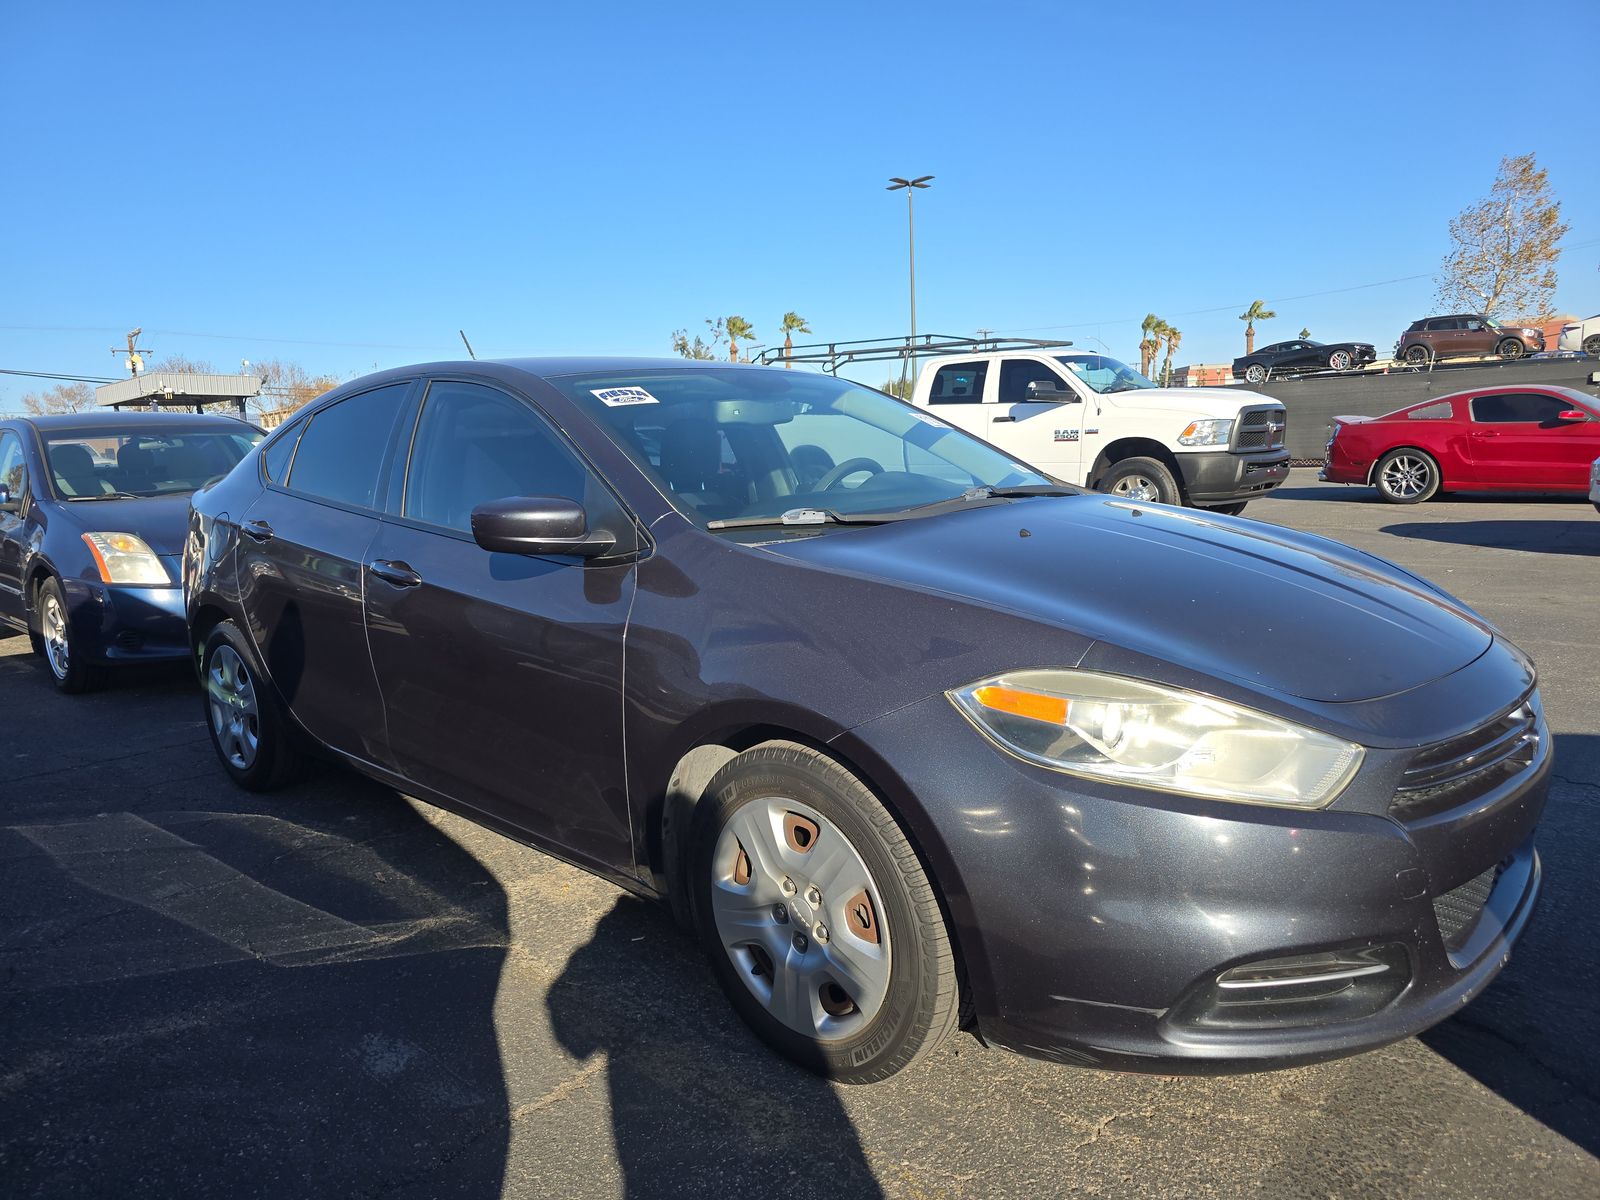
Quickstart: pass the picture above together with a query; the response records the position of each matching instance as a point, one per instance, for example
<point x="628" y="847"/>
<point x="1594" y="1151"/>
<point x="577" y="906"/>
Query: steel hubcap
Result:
<point x="231" y="696"/>
<point x="56" y="650"/>
<point x="1137" y="487"/>
<point x="1406" y="476"/>
<point x="822" y="966"/>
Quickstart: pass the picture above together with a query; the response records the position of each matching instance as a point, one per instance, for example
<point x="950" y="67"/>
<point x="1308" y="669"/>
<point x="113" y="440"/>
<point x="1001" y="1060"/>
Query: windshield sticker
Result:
<point x="621" y="397"/>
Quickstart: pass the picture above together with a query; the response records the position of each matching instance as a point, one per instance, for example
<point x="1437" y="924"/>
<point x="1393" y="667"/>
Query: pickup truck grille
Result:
<point x="1261" y="429"/>
<point x="1453" y="772"/>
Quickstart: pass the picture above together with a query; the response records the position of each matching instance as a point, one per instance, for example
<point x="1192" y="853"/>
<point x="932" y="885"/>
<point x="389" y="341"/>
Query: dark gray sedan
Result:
<point x="913" y="736"/>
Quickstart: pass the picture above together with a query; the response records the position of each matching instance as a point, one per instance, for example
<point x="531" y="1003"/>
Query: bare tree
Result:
<point x="1504" y="247"/>
<point x="180" y="364"/>
<point x="290" y="385"/>
<point x="700" y="348"/>
<point x="63" y="398"/>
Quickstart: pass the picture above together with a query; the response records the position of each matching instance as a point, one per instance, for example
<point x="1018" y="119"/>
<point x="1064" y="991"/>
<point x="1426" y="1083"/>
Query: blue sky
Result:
<point x="346" y="185"/>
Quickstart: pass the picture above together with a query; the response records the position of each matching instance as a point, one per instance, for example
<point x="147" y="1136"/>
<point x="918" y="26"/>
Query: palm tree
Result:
<point x="737" y="328"/>
<point x="792" y="323"/>
<point x="1148" y="345"/>
<point x="1174" y="338"/>
<point x="1305" y="332"/>
<point x="1258" y="311"/>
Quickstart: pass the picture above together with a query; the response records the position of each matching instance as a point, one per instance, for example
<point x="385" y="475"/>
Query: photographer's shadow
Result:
<point x="699" y="1107"/>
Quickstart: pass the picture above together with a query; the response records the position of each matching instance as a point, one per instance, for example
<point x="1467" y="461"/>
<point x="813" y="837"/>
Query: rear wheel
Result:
<point x="1591" y="344"/>
<point x="253" y="738"/>
<point x="1417" y="354"/>
<point x="1406" y="477"/>
<point x="1341" y="360"/>
<point x="1511" y="348"/>
<point x="59" y="645"/>
<point x="820" y="924"/>
<point x="1146" y="480"/>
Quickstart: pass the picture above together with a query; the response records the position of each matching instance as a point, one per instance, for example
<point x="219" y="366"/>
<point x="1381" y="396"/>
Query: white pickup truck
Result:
<point x="1090" y="420"/>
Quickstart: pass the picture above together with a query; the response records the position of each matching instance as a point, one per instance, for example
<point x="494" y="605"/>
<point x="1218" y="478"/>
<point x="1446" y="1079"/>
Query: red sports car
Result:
<point x="1511" y="439"/>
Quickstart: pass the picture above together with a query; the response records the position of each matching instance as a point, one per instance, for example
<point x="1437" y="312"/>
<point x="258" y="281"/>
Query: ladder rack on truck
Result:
<point x="830" y="356"/>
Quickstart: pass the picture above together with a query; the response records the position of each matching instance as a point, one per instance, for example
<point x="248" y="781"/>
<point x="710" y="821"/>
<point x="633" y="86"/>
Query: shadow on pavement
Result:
<point x="1531" y="1036"/>
<point x="1535" y="537"/>
<point x="1331" y="493"/>
<point x="210" y="992"/>
<point x="698" y="1106"/>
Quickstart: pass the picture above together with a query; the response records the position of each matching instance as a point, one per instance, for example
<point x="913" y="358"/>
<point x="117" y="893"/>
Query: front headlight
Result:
<point x="1123" y="730"/>
<point x="1212" y="432"/>
<point x="124" y="558"/>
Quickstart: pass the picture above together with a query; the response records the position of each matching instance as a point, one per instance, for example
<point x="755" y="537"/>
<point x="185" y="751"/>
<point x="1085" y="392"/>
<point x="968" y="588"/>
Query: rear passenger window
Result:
<point x="342" y="450"/>
<point x="1517" y="408"/>
<point x="1431" y="412"/>
<point x="275" y="458"/>
<point x="959" y="383"/>
<point x="475" y="444"/>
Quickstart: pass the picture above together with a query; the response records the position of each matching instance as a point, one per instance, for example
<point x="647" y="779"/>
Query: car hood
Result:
<point x="162" y="521"/>
<point x="1189" y="403"/>
<point x="1265" y="607"/>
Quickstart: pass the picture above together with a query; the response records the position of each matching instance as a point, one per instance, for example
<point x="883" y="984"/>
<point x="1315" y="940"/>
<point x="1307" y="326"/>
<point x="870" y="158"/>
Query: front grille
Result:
<point x="1460" y="769"/>
<point x="1262" y="429"/>
<point x="1457" y="911"/>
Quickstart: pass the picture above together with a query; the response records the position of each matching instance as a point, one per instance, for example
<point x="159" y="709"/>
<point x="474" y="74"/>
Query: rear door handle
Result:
<point x="397" y="574"/>
<point x="998" y="420"/>
<point x="257" y="531"/>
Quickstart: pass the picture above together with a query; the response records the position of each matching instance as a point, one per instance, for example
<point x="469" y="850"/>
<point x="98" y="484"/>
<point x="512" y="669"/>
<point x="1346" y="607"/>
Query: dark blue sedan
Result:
<point x="93" y="512"/>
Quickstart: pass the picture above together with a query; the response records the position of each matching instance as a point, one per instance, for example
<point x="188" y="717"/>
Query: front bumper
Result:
<point x="1222" y="477"/>
<point x="114" y="624"/>
<point x="1094" y="922"/>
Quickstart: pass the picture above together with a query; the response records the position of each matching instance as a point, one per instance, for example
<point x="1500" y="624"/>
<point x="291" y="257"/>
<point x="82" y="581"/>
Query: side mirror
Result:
<point x="1050" y="393"/>
<point x="1572" y="414"/>
<point x="537" y="525"/>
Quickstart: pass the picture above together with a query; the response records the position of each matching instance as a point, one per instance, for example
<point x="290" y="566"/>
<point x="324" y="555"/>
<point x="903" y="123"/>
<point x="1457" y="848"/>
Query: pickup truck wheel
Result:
<point x="1512" y="348"/>
<point x="1406" y="477"/>
<point x="1340" y="360"/>
<point x="1142" y="479"/>
<point x="1255" y="373"/>
<point x="1229" y="510"/>
<point x="1417" y="354"/>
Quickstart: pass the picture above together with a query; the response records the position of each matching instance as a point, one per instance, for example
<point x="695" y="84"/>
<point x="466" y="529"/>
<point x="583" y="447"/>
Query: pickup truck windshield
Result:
<point x="735" y="443"/>
<point x="1102" y="374"/>
<point x="129" y="463"/>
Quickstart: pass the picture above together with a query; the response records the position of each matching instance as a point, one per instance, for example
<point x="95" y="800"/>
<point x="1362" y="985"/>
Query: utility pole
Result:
<point x="135" y="360"/>
<point x="909" y="186"/>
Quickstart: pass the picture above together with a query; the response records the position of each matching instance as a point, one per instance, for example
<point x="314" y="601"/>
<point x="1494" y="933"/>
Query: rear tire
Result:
<point x="1417" y="354"/>
<point x="257" y="746"/>
<point x="1591" y="344"/>
<point x="1511" y="348"/>
<point x="58" y="645"/>
<point x="1142" y="480"/>
<point x="1406" y="477"/>
<point x="824" y="930"/>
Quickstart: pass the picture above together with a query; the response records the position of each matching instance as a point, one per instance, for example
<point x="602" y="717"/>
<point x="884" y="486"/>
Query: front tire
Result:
<point x="1511" y="348"/>
<point x="819" y="921"/>
<point x="1255" y="373"/>
<point x="1591" y="344"/>
<point x="1341" y="360"/>
<point x="251" y="735"/>
<point x="1143" y="480"/>
<point x="59" y="645"/>
<point x="1406" y="477"/>
<point x="1229" y="510"/>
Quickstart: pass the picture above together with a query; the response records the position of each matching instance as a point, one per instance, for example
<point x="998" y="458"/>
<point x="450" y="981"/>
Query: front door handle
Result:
<point x="998" y="420"/>
<point x="1482" y="433"/>
<point x="257" y="531"/>
<point x="397" y="574"/>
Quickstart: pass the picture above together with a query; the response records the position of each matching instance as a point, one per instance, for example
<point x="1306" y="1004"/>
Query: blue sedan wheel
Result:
<point x="56" y="642"/>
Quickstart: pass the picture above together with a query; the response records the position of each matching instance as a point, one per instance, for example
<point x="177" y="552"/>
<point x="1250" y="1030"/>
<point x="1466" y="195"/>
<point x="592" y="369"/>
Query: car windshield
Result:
<point x="1104" y="375"/>
<point x="131" y="462"/>
<point x="740" y="444"/>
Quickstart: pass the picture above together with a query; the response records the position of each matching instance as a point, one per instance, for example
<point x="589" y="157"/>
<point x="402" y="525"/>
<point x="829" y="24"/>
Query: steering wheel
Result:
<point x="849" y="466"/>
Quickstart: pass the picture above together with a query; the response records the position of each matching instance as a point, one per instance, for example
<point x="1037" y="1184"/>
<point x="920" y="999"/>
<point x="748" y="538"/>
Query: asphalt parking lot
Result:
<point x="335" y="991"/>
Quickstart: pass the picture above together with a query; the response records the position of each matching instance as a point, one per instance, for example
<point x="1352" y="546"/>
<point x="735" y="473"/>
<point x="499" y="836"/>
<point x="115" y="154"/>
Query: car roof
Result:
<point x="1502" y="389"/>
<point x="113" y="421"/>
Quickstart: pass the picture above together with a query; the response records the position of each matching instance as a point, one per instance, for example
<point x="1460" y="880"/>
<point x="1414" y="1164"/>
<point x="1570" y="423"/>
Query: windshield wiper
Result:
<point x="799" y="517"/>
<point x="972" y="495"/>
<point x="107" y="496"/>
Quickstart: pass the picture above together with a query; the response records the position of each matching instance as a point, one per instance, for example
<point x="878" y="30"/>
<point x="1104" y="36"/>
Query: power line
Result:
<point x="55" y="375"/>
<point x="224" y="337"/>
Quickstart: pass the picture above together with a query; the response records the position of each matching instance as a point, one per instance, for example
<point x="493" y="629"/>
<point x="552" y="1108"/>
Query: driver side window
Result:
<point x="1017" y="374"/>
<point x="13" y="468"/>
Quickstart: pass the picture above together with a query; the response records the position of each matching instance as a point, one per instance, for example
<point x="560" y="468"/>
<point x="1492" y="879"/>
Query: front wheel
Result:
<point x="1255" y="373"/>
<point x="1229" y="510"/>
<point x="1142" y="479"/>
<point x="251" y="735"/>
<point x="820" y="924"/>
<point x="1511" y="348"/>
<point x="1591" y="344"/>
<point x="56" y="641"/>
<point x="1406" y="477"/>
<point x="1340" y="360"/>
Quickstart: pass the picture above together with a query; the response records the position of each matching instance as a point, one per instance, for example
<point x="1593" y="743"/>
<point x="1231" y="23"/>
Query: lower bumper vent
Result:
<point x="1458" y="910"/>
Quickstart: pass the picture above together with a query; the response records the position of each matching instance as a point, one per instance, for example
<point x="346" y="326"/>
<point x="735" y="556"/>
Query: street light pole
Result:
<point x="909" y="186"/>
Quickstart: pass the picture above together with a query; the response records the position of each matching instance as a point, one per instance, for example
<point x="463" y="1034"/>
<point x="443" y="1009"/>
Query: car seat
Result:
<point x="73" y="467"/>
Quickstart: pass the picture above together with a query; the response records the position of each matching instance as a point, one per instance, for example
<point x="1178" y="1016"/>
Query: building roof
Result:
<point x="98" y="422"/>
<point x="179" y="388"/>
